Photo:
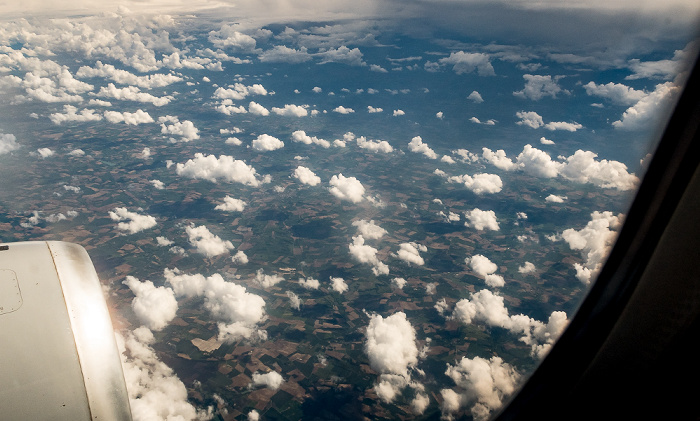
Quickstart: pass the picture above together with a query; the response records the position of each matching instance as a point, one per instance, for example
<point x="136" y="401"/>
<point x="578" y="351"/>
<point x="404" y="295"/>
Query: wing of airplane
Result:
<point x="58" y="356"/>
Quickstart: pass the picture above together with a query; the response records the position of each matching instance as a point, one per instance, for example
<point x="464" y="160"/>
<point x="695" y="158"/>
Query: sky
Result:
<point x="427" y="187"/>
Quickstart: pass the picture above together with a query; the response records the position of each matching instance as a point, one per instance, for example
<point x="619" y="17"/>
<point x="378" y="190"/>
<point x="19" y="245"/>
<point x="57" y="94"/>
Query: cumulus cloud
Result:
<point x="265" y="142"/>
<point x="462" y="62"/>
<point x="8" y="143"/>
<point x="594" y="241"/>
<point x="392" y="351"/>
<point x="173" y="126"/>
<point x="489" y="308"/>
<point x="208" y="167"/>
<point x="346" y="188"/>
<point x="284" y="54"/>
<point x="272" y="380"/>
<point x="526" y="268"/>
<point x="131" y="222"/>
<point x="540" y="86"/>
<point x="338" y="285"/>
<point x="485" y="268"/>
<point x="239" y="91"/>
<point x="132" y="93"/>
<point x="267" y="281"/>
<point x="342" y="110"/>
<point x="229" y="37"/>
<point x="300" y="136"/>
<point x="483" y="384"/>
<point x="581" y="167"/>
<point x="398" y="283"/>
<point x="309" y="283"/>
<point x="374" y="145"/>
<point x="481" y="183"/>
<point x="372" y="110"/>
<point x="533" y="120"/>
<point x="481" y="220"/>
<point x="306" y="176"/>
<point x="257" y="109"/>
<point x="70" y="113"/>
<point x="238" y="313"/>
<point x="342" y="54"/>
<point x="618" y="93"/>
<point x="416" y="145"/>
<point x="364" y="253"/>
<point x="154" y="306"/>
<point x="133" y="119"/>
<point x="410" y="253"/>
<point x="291" y="110"/>
<point x="231" y="205"/>
<point x="124" y="77"/>
<point x="369" y="229"/>
<point x="498" y="159"/>
<point x="649" y="109"/>
<point x="398" y="113"/>
<point x="155" y="391"/>
<point x="476" y="97"/>
<point x="205" y="242"/>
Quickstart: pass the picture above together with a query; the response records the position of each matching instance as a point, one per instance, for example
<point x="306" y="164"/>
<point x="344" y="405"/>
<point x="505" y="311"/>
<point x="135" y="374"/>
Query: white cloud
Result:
<point x="309" y="283"/>
<point x="498" y="159"/>
<point x="132" y="93"/>
<point x="649" y="109"/>
<point x="371" y="109"/>
<point x="615" y="92"/>
<point x="439" y="115"/>
<point x="237" y="311"/>
<point x="317" y="89"/>
<point x="377" y="68"/>
<point x="294" y="300"/>
<point x="172" y="125"/>
<point x="239" y="91"/>
<point x="489" y="308"/>
<point x="476" y="97"/>
<point x="374" y="145"/>
<point x="481" y="220"/>
<point x="526" y="268"/>
<point x="416" y="145"/>
<point x="208" y="167"/>
<point x="240" y="258"/>
<point x="265" y="142"/>
<point x="155" y="391"/>
<point x="229" y="37"/>
<point x="398" y="113"/>
<point x="284" y="54"/>
<point x="484" y="384"/>
<point x="582" y="167"/>
<point x="364" y="253"/>
<point x="392" y="352"/>
<point x="369" y="229"/>
<point x="205" y="242"/>
<point x="485" y="268"/>
<point x="481" y="183"/>
<point x="563" y="125"/>
<point x="338" y="285"/>
<point x="595" y="241"/>
<point x="231" y="205"/>
<point x="398" y="283"/>
<point x="257" y="109"/>
<point x="157" y="184"/>
<point x="553" y="198"/>
<point x="124" y="77"/>
<point x="529" y="119"/>
<point x="8" y="143"/>
<point x="409" y="253"/>
<point x="342" y="110"/>
<point x="306" y="176"/>
<point x="468" y="62"/>
<point x="546" y="141"/>
<point x="131" y="222"/>
<point x="154" y="306"/>
<point x="342" y="54"/>
<point x="346" y="188"/>
<point x="133" y="119"/>
<point x="301" y="137"/>
<point x="267" y="281"/>
<point x="253" y="415"/>
<point x="291" y="110"/>
<point x="71" y="114"/>
<point x="272" y="380"/>
<point x="540" y="86"/>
